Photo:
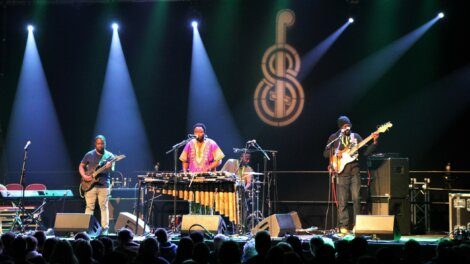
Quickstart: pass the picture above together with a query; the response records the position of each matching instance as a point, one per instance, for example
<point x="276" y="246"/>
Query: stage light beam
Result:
<point x="353" y="83"/>
<point x="34" y="118"/>
<point x="440" y="15"/>
<point x="351" y="20"/>
<point x="194" y="24"/>
<point x="207" y="102"/>
<point x="119" y="117"/>
<point x="115" y="26"/>
<point x="310" y="59"/>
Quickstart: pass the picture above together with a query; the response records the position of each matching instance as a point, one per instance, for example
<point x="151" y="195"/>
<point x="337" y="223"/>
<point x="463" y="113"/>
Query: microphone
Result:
<point x="253" y="141"/>
<point x="345" y="129"/>
<point x="192" y="136"/>
<point x="27" y="144"/>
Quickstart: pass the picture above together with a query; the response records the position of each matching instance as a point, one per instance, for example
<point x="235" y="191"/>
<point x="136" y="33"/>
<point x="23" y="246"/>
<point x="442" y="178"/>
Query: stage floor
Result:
<point x="424" y="240"/>
<point x="429" y="239"/>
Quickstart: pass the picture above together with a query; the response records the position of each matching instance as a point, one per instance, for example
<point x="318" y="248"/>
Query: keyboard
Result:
<point x="36" y="194"/>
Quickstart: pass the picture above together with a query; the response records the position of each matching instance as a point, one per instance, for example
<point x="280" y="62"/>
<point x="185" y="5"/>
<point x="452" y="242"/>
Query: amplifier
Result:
<point x="390" y="177"/>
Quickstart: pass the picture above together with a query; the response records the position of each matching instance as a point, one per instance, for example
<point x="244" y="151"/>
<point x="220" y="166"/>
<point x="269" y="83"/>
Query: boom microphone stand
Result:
<point x="174" y="149"/>
<point x="22" y="210"/>
<point x="332" y="173"/>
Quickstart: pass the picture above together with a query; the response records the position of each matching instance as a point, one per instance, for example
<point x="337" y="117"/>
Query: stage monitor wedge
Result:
<point x="71" y="223"/>
<point x="128" y="220"/>
<point x="379" y="226"/>
<point x="278" y="225"/>
<point x="212" y="223"/>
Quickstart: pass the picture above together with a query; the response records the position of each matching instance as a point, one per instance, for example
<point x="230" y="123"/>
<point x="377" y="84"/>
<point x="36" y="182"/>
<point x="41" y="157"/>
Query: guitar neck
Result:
<point x="362" y="143"/>
<point x="101" y="169"/>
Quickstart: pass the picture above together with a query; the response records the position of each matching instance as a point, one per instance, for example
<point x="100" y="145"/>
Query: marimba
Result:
<point x="216" y="190"/>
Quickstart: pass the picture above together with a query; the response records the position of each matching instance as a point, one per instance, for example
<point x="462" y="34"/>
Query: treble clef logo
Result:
<point x="279" y="97"/>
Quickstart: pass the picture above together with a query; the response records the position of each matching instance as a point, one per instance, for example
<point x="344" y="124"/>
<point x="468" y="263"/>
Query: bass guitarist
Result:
<point x="91" y="161"/>
<point x="348" y="181"/>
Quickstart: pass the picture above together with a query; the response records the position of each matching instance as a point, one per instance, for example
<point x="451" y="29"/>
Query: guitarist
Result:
<point x="349" y="180"/>
<point x="93" y="159"/>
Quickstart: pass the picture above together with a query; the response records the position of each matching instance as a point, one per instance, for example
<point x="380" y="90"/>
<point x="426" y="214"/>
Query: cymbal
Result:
<point x="243" y="150"/>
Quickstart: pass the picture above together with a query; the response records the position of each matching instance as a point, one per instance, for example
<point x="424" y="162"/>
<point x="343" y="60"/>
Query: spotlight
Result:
<point x="440" y="15"/>
<point x="115" y="26"/>
<point x="351" y="20"/>
<point x="30" y="28"/>
<point x="194" y="24"/>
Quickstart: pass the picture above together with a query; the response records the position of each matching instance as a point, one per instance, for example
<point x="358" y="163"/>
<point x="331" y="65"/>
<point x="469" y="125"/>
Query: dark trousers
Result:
<point x="345" y="185"/>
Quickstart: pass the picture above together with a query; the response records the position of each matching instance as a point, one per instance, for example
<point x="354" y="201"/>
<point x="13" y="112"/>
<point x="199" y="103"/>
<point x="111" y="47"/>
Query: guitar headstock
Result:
<point x="120" y="157"/>
<point x="385" y="127"/>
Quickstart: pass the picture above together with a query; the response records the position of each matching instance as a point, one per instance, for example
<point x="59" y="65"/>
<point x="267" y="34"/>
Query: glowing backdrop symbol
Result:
<point x="279" y="97"/>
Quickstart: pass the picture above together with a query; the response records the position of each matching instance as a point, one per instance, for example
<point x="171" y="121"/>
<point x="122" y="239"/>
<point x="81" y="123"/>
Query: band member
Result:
<point x="349" y="180"/>
<point x="245" y="169"/>
<point x="240" y="167"/>
<point x="93" y="159"/>
<point x="201" y="154"/>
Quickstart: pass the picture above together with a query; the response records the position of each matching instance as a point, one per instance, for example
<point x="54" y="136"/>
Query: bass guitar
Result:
<point x="86" y="186"/>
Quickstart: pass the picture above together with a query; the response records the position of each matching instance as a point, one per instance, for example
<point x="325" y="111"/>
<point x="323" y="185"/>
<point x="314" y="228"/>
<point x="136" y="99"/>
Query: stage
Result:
<point x="308" y="113"/>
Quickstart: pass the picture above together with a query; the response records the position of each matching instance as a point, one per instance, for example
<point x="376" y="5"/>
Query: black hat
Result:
<point x="342" y="120"/>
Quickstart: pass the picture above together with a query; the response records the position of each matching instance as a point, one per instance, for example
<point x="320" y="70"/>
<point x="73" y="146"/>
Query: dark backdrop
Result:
<point x="428" y="111"/>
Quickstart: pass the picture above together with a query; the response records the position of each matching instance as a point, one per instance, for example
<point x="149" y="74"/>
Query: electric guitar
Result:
<point x="85" y="186"/>
<point x="341" y="158"/>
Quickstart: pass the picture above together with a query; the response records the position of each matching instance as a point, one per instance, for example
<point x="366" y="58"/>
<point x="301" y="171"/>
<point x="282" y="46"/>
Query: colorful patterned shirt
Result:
<point x="200" y="157"/>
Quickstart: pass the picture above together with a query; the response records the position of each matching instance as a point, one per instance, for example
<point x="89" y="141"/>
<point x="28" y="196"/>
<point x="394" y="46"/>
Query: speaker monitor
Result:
<point x="296" y="219"/>
<point x="128" y="220"/>
<point x="76" y="222"/>
<point x="277" y="224"/>
<point x="400" y="208"/>
<point x="212" y="223"/>
<point x="382" y="226"/>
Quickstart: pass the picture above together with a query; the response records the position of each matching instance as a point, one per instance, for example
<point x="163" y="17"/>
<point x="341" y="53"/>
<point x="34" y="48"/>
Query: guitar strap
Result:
<point x="103" y="159"/>
<point x="346" y="141"/>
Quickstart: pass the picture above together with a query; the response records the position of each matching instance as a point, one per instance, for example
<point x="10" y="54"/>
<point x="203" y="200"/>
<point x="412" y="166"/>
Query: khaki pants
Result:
<point x="103" y="198"/>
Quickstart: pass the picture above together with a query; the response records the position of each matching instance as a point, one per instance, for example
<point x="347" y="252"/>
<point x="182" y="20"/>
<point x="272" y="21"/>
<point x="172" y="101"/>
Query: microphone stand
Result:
<point x="21" y="208"/>
<point x="266" y="159"/>
<point x="174" y="149"/>
<point x="332" y="174"/>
